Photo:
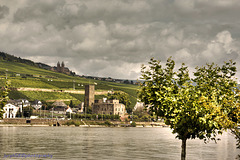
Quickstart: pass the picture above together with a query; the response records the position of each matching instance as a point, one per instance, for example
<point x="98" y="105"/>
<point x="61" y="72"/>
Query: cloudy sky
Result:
<point x="112" y="38"/>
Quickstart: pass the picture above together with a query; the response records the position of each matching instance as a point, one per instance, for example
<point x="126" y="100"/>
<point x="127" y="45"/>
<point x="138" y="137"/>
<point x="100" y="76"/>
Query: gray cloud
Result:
<point x="114" y="37"/>
<point x="4" y="10"/>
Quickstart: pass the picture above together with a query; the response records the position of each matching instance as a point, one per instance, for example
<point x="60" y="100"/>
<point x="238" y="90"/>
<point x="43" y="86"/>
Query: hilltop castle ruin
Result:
<point x="62" y="69"/>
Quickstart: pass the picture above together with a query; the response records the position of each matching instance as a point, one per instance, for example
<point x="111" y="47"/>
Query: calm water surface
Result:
<point x="76" y="143"/>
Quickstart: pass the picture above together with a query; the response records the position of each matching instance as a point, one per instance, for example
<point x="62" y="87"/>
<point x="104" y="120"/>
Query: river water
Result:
<point x="75" y="143"/>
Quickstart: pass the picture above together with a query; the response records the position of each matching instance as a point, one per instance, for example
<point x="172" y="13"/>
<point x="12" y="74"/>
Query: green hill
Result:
<point x="27" y="74"/>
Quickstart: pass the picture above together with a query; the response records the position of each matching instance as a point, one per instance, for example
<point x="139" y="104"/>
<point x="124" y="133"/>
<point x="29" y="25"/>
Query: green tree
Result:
<point x="27" y="111"/>
<point x="71" y="104"/>
<point x="193" y="107"/>
<point x="89" y="110"/>
<point x="4" y="97"/>
<point x="123" y="98"/>
<point x="236" y="120"/>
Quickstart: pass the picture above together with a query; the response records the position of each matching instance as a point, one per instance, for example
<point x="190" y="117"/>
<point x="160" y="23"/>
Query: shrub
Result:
<point x="107" y="123"/>
<point x="77" y="123"/>
<point x="133" y="124"/>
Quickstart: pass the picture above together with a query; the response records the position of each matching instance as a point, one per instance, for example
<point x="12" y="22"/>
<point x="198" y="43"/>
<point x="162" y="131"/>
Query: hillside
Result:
<point x="29" y="75"/>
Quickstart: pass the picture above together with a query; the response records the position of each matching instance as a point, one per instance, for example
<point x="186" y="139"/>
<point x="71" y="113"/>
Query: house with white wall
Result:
<point x="10" y="111"/>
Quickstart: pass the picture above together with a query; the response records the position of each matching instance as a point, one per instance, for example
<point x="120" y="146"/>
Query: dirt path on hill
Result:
<point x="60" y="90"/>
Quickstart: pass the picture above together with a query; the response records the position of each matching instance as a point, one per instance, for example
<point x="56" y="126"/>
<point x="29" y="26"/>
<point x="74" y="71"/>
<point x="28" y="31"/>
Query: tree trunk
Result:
<point x="183" y="154"/>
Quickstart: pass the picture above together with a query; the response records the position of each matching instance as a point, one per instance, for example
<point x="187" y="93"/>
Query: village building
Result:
<point x="59" y="107"/>
<point x="10" y="111"/>
<point x="36" y="104"/>
<point x="110" y="107"/>
<point x="69" y="110"/>
<point x="58" y="110"/>
<point x="61" y="110"/>
<point x="79" y="108"/>
<point x="139" y="106"/>
<point x="59" y="104"/>
<point x="102" y="106"/>
<point x="21" y="103"/>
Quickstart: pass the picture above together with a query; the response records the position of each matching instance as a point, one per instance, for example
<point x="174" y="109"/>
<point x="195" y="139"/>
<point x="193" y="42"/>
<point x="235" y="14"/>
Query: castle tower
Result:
<point x="58" y="67"/>
<point x="89" y="96"/>
<point x="62" y="67"/>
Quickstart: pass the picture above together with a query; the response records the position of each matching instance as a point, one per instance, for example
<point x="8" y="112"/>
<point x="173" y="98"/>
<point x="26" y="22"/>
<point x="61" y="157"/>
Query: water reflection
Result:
<point x="110" y="143"/>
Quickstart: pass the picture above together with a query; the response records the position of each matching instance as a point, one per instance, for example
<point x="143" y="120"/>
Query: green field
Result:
<point x="26" y="76"/>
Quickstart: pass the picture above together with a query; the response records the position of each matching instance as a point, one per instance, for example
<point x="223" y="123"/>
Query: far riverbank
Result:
<point x="43" y="122"/>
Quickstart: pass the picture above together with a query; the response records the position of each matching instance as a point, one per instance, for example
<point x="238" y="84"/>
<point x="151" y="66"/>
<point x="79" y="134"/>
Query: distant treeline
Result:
<point x="11" y="58"/>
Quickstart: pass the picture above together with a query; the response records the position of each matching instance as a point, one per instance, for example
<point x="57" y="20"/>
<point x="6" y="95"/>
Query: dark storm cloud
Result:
<point x="114" y="37"/>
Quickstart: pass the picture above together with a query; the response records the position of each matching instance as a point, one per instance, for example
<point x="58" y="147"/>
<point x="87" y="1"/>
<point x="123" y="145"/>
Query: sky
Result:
<point x="113" y="38"/>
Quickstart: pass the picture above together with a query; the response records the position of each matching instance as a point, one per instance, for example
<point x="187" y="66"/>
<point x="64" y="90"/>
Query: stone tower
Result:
<point x="62" y="67"/>
<point x="89" y="96"/>
<point x="58" y="67"/>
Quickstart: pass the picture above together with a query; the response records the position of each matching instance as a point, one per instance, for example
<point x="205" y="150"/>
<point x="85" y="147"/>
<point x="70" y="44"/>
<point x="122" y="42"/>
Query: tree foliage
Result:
<point x="71" y="104"/>
<point x="4" y="97"/>
<point x="199" y="107"/>
<point x="27" y="111"/>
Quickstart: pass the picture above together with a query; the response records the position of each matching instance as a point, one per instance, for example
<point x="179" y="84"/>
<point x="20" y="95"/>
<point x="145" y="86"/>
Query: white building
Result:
<point x="139" y="105"/>
<point x="20" y="103"/>
<point x="69" y="110"/>
<point x="10" y="111"/>
<point x="37" y="104"/>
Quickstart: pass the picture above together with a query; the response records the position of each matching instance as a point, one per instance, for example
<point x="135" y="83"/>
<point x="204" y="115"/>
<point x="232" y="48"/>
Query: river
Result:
<point x="76" y="143"/>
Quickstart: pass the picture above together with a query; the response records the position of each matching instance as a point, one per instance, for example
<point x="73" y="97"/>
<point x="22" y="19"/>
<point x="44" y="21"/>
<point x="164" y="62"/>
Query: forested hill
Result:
<point x="12" y="58"/>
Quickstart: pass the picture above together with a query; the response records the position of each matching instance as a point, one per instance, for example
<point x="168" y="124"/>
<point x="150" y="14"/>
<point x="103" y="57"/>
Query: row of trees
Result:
<point x="94" y="116"/>
<point x="11" y="58"/>
<point x="199" y="107"/>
